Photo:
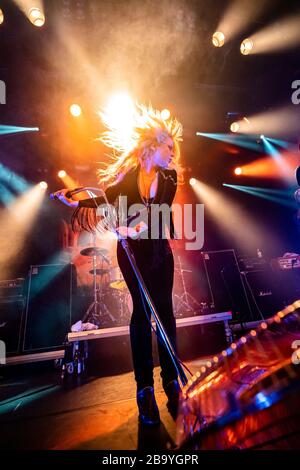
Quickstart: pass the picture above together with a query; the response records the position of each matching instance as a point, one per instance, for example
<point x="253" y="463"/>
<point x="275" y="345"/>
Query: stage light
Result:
<point x="277" y="196"/>
<point x="120" y="114"/>
<point x="1" y="16"/>
<point x="234" y="139"/>
<point x="234" y="127"/>
<point x="17" y="220"/>
<point x="278" y="36"/>
<point x="14" y="129"/>
<point x="246" y="46"/>
<point x="227" y="213"/>
<point x="43" y="185"/>
<point x="12" y="180"/>
<point x="262" y="136"/>
<point x="218" y="39"/>
<point x="36" y="16"/>
<point x="165" y="114"/>
<point x="62" y="174"/>
<point x="192" y="181"/>
<point x="238" y="171"/>
<point x="237" y="16"/>
<point x="75" y="110"/>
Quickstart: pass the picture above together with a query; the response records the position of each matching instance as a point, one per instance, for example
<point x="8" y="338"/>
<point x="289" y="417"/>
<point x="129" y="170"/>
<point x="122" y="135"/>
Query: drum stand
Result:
<point x="97" y="310"/>
<point x="185" y="302"/>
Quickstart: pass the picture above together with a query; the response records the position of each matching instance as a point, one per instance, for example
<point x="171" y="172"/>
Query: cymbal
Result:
<point x="99" y="271"/>
<point x="118" y="284"/>
<point x="93" y="251"/>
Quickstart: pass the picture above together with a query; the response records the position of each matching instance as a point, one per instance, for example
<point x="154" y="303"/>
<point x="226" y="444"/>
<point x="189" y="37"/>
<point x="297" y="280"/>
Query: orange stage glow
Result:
<point x="267" y="167"/>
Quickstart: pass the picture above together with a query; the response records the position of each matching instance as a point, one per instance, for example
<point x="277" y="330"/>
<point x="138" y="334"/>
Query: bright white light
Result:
<point x="218" y="39"/>
<point x="119" y="114"/>
<point x="75" y="110"/>
<point x="234" y="127"/>
<point x="43" y="185"/>
<point x="246" y="46"/>
<point x="165" y="114"/>
<point x="193" y="181"/>
<point x="62" y="174"/>
<point x="36" y="16"/>
<point x="238" y="171"/>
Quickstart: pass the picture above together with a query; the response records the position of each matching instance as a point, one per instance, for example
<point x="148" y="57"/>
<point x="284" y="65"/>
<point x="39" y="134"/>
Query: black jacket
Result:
<point x="166" y="189"/>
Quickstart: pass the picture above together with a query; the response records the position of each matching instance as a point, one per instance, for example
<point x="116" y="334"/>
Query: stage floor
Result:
<point x="40" y="411"/>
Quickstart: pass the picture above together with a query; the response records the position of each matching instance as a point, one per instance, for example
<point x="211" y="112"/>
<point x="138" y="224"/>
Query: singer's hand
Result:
<point x="61" y="195"/>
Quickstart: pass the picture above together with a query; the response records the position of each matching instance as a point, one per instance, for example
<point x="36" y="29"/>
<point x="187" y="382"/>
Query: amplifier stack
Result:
<point x="12" y="303"/>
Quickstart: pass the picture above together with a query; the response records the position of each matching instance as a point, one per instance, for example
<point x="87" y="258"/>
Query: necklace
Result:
<point x="144" y="186"/>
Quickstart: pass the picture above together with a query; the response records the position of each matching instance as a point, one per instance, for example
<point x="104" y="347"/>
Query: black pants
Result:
<point x="158" y="273"/>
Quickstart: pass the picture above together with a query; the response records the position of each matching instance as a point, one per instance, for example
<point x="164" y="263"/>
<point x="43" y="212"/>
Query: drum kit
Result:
<point x="108" y="281"/>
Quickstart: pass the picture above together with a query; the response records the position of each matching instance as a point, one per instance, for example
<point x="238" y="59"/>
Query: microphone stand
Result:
<point x="159" y="325"/>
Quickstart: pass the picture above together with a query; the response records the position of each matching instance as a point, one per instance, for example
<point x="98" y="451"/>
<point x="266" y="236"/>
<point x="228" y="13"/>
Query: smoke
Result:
<point x="130" y="43"/>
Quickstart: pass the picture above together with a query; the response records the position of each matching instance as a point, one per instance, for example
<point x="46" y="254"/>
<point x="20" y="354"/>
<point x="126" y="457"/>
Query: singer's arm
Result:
<point x="112" y="192"/>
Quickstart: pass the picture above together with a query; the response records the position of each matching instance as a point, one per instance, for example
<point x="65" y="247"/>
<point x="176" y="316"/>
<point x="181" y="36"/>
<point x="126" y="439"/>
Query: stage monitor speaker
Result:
<point x="270" y="291"/>
<point x="49" y="306"/>
<point x="225" y="283"/>
<point x="11" y="312"/>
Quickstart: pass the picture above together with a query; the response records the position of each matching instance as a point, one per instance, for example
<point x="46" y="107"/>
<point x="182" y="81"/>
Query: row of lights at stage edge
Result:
<point x="35" y="16"/>
<point x="218" y="40"/>
<point x="235" y="346"/>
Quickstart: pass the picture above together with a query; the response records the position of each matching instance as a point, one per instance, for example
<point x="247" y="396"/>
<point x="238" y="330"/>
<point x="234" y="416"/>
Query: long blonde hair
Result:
<point x="148" y="131"/>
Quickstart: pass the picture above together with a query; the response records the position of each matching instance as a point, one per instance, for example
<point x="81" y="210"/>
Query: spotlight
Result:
<point x="246" y="46"/>
<point x="218" y="39"/>
<point x="43" y="185"/>
<point x="1" y="16"/>
<point x="75" y="110"/>
<point x="165" y="114"/>
<point x="36" y="16"/>
<point x="238" y="171"/>
<point x="62" y="174"/>
<point x="262" y="136"/>
<point x="193" y="181"/>
<point x="234" y="127"/>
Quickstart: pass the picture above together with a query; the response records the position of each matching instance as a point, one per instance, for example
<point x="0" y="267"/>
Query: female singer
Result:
<point x="147" y="174"/>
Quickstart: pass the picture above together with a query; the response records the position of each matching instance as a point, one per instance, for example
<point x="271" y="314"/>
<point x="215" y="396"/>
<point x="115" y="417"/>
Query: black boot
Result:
<point x="173" y="392"/>
<point x="148" y="410"/>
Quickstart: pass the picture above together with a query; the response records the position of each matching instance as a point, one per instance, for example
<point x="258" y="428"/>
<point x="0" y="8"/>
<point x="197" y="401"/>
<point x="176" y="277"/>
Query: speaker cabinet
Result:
<point x="49" y="306"/>
<point x="270" y="291"/>
<point x="225" y="283"/>
<point x="11" y="312"/>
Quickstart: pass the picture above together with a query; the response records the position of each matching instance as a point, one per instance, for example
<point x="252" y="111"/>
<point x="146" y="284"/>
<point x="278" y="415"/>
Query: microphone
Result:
<point x="69" y="194"/>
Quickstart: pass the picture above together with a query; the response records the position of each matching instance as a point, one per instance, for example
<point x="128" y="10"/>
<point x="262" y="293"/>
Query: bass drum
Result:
<point x="123" y="305"/>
